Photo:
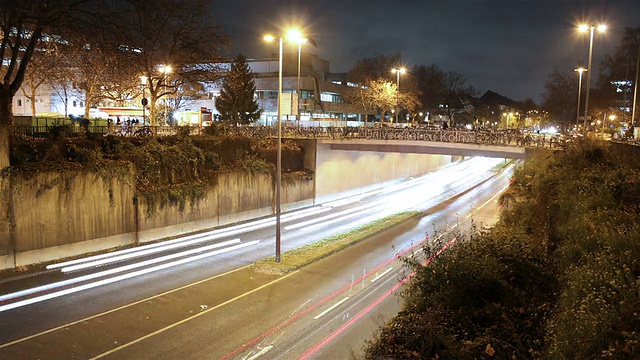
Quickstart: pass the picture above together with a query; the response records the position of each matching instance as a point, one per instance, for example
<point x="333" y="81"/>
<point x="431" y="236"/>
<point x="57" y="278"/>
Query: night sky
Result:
<point x="509" y="47"/>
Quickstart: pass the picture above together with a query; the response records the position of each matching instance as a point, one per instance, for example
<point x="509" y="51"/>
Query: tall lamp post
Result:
<point x="580" y="70"/>
<point x="143" y="81"/>
<point x="295" y="36"/>
<point x="635" y="91"/>
<point x="591" y="29"/>
<point x="398" y="72"/>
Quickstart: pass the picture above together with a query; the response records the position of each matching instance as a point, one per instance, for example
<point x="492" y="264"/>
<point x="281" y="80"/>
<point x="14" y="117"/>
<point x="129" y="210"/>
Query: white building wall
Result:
<point x="48" y="102"/>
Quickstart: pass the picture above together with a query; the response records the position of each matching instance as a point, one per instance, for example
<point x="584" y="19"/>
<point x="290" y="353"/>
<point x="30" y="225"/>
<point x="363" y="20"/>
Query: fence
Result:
<point x="484" y="137"/>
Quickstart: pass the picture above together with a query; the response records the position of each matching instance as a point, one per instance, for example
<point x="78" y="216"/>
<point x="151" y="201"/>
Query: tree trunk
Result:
<point x="87" y="109"/>
<point x="6" y="121"/>
<point x="152" y="111"/>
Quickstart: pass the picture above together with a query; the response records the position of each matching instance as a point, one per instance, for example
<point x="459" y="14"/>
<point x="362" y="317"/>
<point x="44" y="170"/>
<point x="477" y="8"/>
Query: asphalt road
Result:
<point x="217" y="307"/>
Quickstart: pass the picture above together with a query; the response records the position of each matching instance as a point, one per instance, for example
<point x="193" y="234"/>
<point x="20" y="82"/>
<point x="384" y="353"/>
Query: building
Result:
<point x="317" y="99"/>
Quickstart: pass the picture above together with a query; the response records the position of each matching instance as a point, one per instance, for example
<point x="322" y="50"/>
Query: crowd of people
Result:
<point x="126" y="127"/>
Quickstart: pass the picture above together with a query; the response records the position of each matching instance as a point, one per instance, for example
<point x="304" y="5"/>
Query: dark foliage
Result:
<point x="557" y="278"/>
<point x="169" y="170"/>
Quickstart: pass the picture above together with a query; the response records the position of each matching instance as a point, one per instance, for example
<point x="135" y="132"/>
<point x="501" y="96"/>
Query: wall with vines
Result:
<point x="67" y="190"/>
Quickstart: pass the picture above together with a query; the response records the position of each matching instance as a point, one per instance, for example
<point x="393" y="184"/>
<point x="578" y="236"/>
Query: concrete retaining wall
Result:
<point x="57" y="215"/>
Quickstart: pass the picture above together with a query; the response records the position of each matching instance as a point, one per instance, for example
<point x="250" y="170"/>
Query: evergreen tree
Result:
<point x="236" y="102"/>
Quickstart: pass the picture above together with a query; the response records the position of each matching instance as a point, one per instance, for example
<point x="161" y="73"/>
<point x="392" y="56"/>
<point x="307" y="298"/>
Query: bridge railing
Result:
<point x="481" y="137"/>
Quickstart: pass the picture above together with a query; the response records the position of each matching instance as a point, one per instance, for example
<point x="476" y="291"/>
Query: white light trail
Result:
<point x="329" y="217"/>
<point x="189" y="239"/>
<point x="76" y="289"/>
<point x="107" y="272"/>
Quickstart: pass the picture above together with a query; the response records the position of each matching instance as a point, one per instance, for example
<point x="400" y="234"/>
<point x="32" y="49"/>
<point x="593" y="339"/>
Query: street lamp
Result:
<point x="165" y="69"/>
<point x="294" y="36"/>
<point x="144" y="101"/>
<point x="580" y="70"/>
<point x="591" y="29"/>
<point x="398" y="72"/>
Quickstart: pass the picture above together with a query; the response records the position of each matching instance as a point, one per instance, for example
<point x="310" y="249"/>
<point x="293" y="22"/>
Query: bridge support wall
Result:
<point x="340" y="172"/>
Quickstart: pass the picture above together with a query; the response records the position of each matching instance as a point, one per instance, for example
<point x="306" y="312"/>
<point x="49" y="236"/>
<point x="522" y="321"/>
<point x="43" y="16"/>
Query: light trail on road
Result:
<point x="92" y="285"/>
<point x="187" y="240"/>
<point x="416" y="193"/>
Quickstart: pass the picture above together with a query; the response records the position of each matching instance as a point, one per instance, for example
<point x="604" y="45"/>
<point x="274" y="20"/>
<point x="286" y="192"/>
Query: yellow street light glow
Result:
<point x="400" y="70"/>
<point x="165" y="69"/>
<point x="612" y="117"/>
<point x="295" y="36"/>
<point x="269" y="38"/>
<point x="143" y="80"/>
<point x="599" y="27"/>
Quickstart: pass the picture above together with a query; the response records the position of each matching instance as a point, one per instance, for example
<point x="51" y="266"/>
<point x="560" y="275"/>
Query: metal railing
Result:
<point x="482" y="137"/>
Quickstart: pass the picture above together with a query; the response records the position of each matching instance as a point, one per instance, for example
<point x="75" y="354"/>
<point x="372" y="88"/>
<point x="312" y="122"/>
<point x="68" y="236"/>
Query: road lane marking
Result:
<point x="325" y="300"/>
<point x="322" y="343"/>
<point x="262" y="352"/>
<point x="159" y="331"/>
<point x="488" y="201"/>
<point x="381" y="275"/>
<point x="330" y="308"/>
<point x="61" y="327"/>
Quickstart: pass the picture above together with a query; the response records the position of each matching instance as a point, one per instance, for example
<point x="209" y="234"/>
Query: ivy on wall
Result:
<point x="169" y="171"/>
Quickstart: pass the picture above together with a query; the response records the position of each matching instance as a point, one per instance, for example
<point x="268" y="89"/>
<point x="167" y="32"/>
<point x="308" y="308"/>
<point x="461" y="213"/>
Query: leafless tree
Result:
<point x="176" y="33"/>
<point x="25" y="26"/>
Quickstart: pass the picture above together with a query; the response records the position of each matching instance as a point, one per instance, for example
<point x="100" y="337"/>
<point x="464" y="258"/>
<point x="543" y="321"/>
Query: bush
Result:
<point x="558" y="277"/>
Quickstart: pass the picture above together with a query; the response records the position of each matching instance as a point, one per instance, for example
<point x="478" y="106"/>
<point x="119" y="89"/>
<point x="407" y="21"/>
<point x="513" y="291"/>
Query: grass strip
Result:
<point x="297" y="258"/>
<point x="502" y="165"/>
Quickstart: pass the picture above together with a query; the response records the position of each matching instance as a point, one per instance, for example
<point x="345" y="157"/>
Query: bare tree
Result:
<point x="375" y="96"/>
<point x="558" y="97"/>
<point x="454" y="90"/>
<point x="25" y="25"/>
<point x="156" y="34"/>
<point x="41" y="70"/>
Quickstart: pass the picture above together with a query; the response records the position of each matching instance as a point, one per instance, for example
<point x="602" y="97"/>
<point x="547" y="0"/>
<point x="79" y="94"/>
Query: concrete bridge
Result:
<point x="504" y="144"/>
<point x="433" y="148"/>
<point x="491" y="143"/>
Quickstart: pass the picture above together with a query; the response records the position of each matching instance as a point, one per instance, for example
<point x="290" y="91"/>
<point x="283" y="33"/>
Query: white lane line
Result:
<point x="331" y="308"/>
<point x="204" y="312"/>
<point x="381" y="275"/>
<point x="76" y="289"/>
<point x="260" y="353"/>
<point x="488" y="201"/>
